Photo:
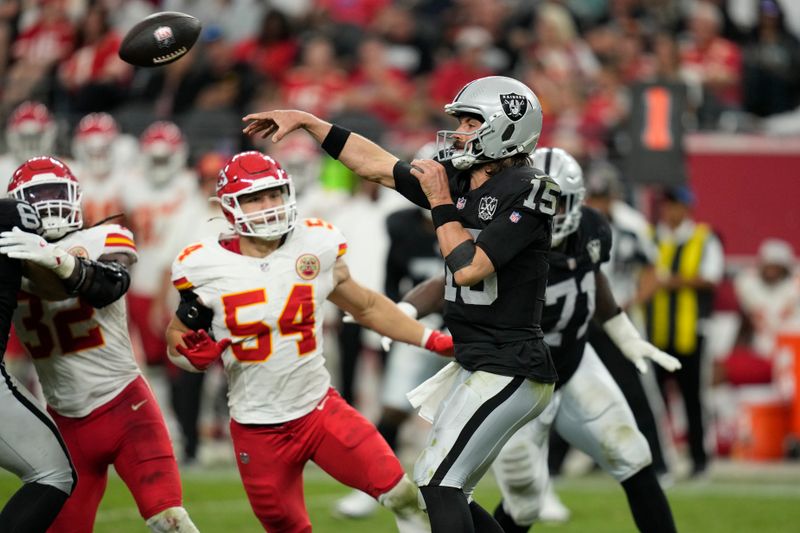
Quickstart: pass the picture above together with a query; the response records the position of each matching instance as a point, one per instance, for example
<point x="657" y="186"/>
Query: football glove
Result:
<point x="627" y="338"/>
<point x="19" y="244"/>
<point x="200" y="349"/>
<point x="438" y="342"/>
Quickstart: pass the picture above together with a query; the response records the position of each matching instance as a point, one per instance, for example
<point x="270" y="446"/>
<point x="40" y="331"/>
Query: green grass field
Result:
<point x="763" y="503"/>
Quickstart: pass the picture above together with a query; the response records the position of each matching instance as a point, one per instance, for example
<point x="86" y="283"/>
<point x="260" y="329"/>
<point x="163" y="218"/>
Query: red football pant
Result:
<point x="153" y="342"/>
<point x="335" y="436"/>
<point x="128" y="432"/>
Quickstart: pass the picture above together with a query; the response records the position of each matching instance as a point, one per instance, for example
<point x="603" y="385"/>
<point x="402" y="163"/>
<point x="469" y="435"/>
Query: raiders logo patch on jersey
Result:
<point x="514" y="105"/>
<point x="593" y="247"/>
<point x="307" y="266"/>
<point x="486" y="207"/>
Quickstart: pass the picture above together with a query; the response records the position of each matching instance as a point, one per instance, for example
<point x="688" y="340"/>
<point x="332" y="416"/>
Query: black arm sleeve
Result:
<point x="10" y="279"/>
<point x="407" y="185"/>
<point x="606" y="307"/>
<point x="100" y="283"/>
<point x="192" y="313"/>
<point x="511" y="232"/>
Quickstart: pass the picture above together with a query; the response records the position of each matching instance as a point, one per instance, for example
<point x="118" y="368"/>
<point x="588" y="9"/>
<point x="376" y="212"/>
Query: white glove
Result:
<point x="19" y="244"/>
<point x="410" y="310"/>
<point x="634" y="347"/>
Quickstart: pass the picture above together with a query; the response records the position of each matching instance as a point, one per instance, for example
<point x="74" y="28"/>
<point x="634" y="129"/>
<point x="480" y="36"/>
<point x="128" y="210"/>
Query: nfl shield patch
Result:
<point x="164" y="37"/>
<point x="461" y="203"/>
<point x="593" y="247"/>
<point x="515" y="216"/>
<point x="514" y="105"/>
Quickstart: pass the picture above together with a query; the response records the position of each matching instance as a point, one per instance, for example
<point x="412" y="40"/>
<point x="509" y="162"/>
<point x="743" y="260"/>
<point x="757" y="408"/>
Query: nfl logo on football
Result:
<point x="164" y="36"/>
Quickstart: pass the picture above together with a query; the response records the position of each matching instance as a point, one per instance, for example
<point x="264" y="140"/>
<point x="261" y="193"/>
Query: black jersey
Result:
<point x="571" y="290"/>
<point x="22" y="215"/>
<point x="495" y="323"/>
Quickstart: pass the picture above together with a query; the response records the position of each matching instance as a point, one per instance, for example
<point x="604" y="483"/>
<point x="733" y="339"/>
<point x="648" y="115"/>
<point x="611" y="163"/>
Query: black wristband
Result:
<point x="334" y="141"/>
<point x="442" y="214"/>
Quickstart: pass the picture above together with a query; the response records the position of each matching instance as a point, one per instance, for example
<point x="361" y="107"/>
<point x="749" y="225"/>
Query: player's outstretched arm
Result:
<point x="379" y="313"/>
<point x="357" y="153"/>
<point x="624" y="334"/>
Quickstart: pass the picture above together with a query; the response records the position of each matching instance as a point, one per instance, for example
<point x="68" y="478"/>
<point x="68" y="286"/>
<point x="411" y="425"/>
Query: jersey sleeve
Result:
<point x="407" y="185"/>
<point x="187" y="271"/>
<point x="512" y="231"/>
<point x="119" y="240"/>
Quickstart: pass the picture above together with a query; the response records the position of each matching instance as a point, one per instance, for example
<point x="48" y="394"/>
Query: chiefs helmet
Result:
<point x="93" y="142"/>
<point x="30" y="131"/>
<point x="512" y="122"/>
<point x="50" y="187"/>
<point x="250" y="172"/>
<point x="567" y="173"/>
<point x="164" y="151"/>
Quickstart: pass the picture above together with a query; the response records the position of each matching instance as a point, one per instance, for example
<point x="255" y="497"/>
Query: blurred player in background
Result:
<point x="588" y="408"/>
<point x="30" y="132"/>
<point x="77" y="333"/>
<point x="102" y="159"/>
<point x="254" y="298"/>
<point x="631" y="275"/>
<point x="30" y="444"/>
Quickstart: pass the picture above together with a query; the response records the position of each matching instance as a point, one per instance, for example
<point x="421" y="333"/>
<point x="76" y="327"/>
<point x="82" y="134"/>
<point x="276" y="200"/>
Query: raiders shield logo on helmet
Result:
<point x="514" y="105"/>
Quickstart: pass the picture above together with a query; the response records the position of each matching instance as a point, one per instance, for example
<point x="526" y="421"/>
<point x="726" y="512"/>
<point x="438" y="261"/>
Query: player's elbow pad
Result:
<point x="100" y="283"/>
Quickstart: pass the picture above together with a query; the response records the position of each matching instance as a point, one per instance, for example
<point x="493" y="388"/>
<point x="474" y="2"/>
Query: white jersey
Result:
<point x="82" y="355"/>
<point x="163" y="221"/>
<point x="271" y="308"/>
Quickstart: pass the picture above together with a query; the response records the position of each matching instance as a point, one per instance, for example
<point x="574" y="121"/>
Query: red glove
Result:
<point x="201" y="350"/>
<point x="438" y="342"/>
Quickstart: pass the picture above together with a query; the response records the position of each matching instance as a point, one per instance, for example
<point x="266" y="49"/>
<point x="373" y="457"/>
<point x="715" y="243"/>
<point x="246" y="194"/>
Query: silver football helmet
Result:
<point x="567" y="173"/>
<point x="512" y="122"/>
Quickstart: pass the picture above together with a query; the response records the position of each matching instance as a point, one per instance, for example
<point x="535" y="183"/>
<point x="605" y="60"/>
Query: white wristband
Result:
<point x="65" y="263"/>
<point x="425" y="336"/>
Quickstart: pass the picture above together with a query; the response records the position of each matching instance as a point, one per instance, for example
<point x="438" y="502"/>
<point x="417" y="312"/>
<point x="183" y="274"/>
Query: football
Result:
<point x="160" y="39"/>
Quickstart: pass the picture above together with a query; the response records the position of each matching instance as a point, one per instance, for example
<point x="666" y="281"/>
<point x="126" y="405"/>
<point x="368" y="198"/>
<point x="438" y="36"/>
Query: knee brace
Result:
<point x="172" y="520"/>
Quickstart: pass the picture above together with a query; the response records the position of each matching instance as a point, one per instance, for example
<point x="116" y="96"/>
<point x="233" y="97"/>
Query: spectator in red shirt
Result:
<point x="375" y="87"/>
<point x="46" y="42"/>
<point x="317" y="84"/>
<point x="272" y="52"/>
<point x="448" y="78"/>
<point x="359" y="13"/>
<point x="715" y="61"/>
<point x="94" y="76"/>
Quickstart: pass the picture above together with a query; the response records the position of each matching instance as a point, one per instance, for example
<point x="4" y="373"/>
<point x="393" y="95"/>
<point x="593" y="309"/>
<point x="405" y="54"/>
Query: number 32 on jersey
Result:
<point x="296" y="318"/>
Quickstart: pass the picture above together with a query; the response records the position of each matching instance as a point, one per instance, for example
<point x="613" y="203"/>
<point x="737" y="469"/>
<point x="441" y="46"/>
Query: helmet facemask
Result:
<point x="267" y="224"/>
<point x="57" y="202"/>
<point x="464" y="149"/>
<point x="568" y="215"/>
<point x="94" y="154"/>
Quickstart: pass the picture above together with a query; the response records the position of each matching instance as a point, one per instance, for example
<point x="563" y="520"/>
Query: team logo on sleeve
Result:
<point x="487" y="207"/>
<point x="307" y="266"/>
<point x="514" y="105"/>
<point x="593" y="247"/>
<point x="79" y="251"/>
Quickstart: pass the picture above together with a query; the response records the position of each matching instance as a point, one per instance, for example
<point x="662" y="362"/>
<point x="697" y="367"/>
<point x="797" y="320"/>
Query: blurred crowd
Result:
<point x="149" y="143"/>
